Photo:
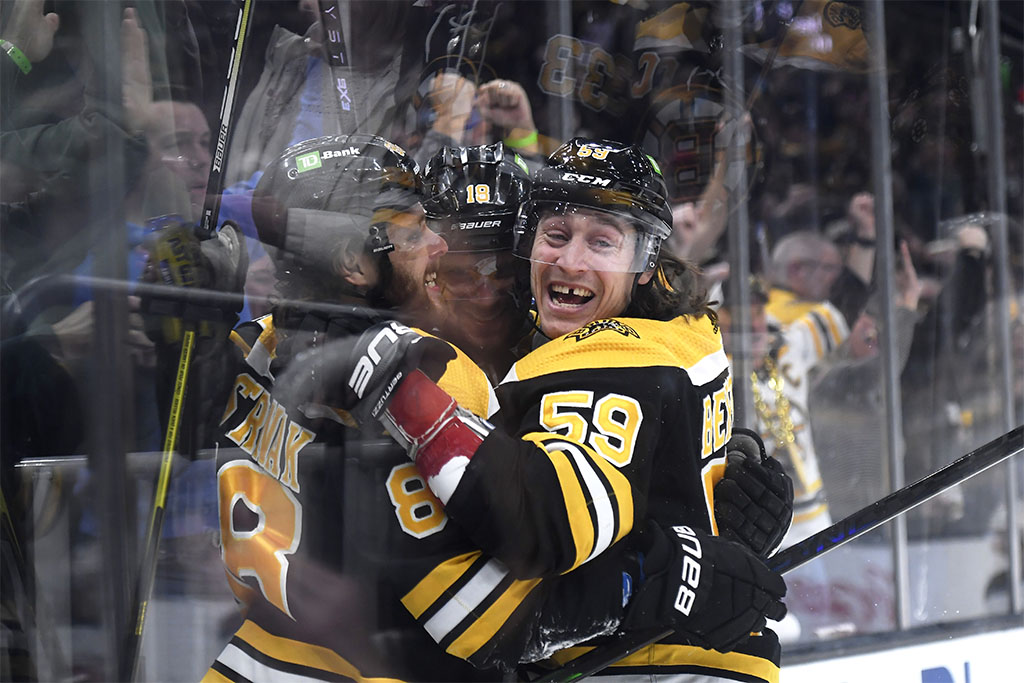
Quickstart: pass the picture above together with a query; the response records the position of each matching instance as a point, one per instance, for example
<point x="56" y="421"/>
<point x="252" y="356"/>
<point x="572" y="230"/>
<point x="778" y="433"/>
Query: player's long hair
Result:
<point x="674" y="290"/>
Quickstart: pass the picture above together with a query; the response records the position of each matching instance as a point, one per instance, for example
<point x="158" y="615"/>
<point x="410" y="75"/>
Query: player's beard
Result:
<point x="409" y="294"/>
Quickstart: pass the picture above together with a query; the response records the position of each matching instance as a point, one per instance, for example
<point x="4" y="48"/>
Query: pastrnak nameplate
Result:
<point x="592" y="328"/>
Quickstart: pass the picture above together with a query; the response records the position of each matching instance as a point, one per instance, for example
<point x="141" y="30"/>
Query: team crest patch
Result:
<point x="592" y="328"/>
<point x="842" y="14"/>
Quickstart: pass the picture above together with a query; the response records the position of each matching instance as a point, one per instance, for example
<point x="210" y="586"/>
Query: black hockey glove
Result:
<point x="754" y="498"/>
<point x="713" y="591"/>
<point x="360" y="373"/>
<point x="179" y="258"/>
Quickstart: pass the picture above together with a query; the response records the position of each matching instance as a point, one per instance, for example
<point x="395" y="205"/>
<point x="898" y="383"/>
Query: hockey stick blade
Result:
<point x="816" y="545"/>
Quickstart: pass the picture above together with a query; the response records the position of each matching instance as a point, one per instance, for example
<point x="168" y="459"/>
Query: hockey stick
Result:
<point x="337" y="58"/>
<point x="211" y="207"/>
<point x="755" y="91"/>
<point x="147" y="568"/>
<point x="208" y="225"/>
<point x="816" y="545"/>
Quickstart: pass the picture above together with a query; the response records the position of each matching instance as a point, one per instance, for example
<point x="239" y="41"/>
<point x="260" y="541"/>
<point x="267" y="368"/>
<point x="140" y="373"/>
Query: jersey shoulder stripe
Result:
<point x="246" y="334"/>
<point x="785" y="308"/>
<point x="598" y="500"/>
<point x="831" y="323"/>
<point x="258" y="341"/>
<point x="684" y="342"/>
<point x="464" y="381"/>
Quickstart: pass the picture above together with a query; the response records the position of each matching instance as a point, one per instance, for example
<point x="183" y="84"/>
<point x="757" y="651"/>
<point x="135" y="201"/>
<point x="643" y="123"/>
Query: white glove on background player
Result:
<point x="754" y="498"/>
<point x="713" y="591"/>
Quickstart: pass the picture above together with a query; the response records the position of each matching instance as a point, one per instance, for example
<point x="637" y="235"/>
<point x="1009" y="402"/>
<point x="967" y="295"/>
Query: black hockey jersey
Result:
<point x="654" y="399"/>
<point x="317" y="520"/>
<point x="327" y="533"/>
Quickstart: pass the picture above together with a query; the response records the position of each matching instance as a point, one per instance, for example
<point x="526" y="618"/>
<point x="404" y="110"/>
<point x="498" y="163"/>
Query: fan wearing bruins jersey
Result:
<point x="807" y="328"/>
<point x="631" y="367"/>
<point x="327" y="531"/>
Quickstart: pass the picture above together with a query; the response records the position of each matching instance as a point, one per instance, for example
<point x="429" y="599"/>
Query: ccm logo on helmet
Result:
<point x="589" y="179"/>
<point x="370" y="359"/>
<point x="474" y="225"/>
<point x="691" y="569"/>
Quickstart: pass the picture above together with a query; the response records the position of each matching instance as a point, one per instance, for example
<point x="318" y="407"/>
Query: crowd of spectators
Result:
<point x="816" y="321"/>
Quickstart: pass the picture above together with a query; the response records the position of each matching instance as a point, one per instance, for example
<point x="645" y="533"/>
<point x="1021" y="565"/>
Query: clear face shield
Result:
<point x="403" y="231"/>
<point x="479" y="265"/>
<point x="476" y="276"/>
<point x="577" y="238"/>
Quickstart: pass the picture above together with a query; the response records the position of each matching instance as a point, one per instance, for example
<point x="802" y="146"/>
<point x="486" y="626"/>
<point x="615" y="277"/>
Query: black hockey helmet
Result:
<point x="323" y="190"/>
<point x="603" y="176"/>
<point x="472" y="195"/>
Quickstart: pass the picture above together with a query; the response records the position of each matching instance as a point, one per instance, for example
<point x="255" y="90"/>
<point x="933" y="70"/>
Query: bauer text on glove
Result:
<point x="713" y="591"/>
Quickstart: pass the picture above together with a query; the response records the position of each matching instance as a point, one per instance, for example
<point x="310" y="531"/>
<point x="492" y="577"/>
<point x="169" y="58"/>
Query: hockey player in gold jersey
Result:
<point x="630" y="365"/>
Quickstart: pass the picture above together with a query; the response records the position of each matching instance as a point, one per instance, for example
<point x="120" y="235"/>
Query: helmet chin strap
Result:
<point x="632" y="291"/>
<point x="652" y="264"/>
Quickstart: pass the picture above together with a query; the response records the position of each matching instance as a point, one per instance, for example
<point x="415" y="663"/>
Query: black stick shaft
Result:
<point x="898" y="502"/>
<point x="816" y="545"/>
<point x="215" y="181"/>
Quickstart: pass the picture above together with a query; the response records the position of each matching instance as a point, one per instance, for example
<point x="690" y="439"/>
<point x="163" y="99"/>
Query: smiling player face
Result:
<point x="580" y="270"/>
<point x="478" y="299"/>
<point x="414" y="260"/>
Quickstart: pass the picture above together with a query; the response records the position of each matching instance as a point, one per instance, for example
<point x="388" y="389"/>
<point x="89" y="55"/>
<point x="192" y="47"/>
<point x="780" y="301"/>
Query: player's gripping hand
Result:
<point x="178" y="258"/>
<point x="713" y="591"/>
<point x="383" y="356"/>
<point x="360" y="373"/>
<point x="754" y="498"/>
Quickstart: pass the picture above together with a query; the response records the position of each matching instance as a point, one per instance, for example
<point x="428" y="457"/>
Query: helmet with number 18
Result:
<point x="471" y="198"/>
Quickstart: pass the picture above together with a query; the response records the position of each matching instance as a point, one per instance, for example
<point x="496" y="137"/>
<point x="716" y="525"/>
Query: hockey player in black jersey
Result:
<point x="471" y="198"/>
<point x="341" y="215"/>
<point x="331" y="539"/>
<point x="631" y="366"/>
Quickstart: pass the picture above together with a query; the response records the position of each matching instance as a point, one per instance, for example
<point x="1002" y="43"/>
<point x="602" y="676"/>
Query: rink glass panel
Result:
<point x="84" y="427"/>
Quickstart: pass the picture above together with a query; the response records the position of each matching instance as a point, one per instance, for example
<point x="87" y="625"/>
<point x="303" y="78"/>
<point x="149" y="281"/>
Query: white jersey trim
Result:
<point x="605" y="528"/>
<point x="257" y="672"/>
<point x="510" y="376"/>
<point x="466" y="600"/>
<point x="708" y="368"/>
